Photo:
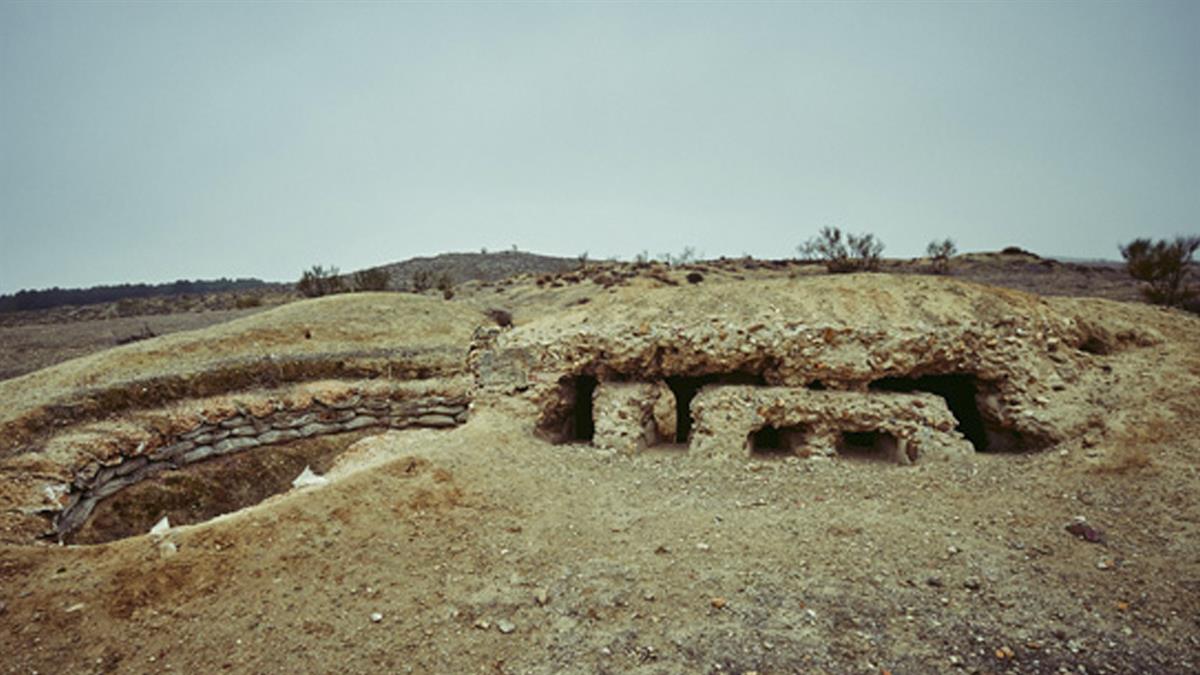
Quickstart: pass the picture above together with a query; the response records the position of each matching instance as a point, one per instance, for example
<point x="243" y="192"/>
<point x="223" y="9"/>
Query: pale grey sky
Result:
<point x="156" y="141"/>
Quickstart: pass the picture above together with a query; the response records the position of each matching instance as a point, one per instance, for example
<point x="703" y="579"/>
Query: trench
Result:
<point x="222" y="466"/>
<point x="211" y="488"/>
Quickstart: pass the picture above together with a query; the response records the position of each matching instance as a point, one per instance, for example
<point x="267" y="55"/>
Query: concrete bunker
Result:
<point x="685" y="388"/>
<point x="573" y="417"/>
<point x="963" y="393"/>
<point x="940" y="374"/>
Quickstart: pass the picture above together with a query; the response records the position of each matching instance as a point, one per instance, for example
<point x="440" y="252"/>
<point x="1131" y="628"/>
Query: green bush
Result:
<point x="1164" y="266"/>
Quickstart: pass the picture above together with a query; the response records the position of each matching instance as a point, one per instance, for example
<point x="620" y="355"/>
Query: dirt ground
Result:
<point x="30" y="346"/>
<point x="484" y="549"/>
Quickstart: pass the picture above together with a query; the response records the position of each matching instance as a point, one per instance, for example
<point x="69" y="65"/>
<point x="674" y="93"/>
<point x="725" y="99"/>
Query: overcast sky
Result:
<point x="157" y="141"/>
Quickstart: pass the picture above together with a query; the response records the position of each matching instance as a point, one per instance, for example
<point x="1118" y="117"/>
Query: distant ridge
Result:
<point x="462" y="267"/>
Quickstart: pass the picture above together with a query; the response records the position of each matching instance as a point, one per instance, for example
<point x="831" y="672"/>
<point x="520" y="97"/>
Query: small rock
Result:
<point x="376" y="617"/>
<point x="541" y="596"/>
<point x="483" y="624"/>
<point x="972" y="583"/>
<point x="936" y="582"/>
<point x="955" y="660"/>
<point x="1086" y="532"/>
<point x="719" y="602"/>
<point x="506" y="626"/>
<point x="702" y="546"/>
<point x="1104" y="565"/>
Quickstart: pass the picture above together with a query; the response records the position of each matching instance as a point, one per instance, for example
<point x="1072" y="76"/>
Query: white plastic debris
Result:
<point x="308" y="479"/>
<point x="160" y="528"/>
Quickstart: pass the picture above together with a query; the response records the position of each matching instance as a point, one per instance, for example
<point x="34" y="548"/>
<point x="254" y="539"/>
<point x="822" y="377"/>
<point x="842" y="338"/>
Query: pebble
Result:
<point x="936" y="582"/>
<point x="542" y="596"/>
<point x="506" y="626"/>
<point x="376" y="617"/>
<point x="719" y="602"/>
<point x="972" y="583"/>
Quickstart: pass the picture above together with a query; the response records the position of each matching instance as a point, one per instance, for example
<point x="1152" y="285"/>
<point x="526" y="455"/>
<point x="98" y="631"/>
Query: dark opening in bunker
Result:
<point x="773" y="441"/>
<point x="959" y="391"/>
<point x="581" y="426"/>
<point x="872" y="445"/>
<point x="686" y="387"/>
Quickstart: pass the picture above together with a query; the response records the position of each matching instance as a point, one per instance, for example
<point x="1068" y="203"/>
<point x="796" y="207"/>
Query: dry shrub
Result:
<point x="1125" y="458"/>
<point x="1131" y="451"/>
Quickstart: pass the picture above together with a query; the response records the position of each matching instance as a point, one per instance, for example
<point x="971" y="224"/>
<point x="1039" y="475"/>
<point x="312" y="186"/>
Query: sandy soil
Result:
<point x="647" y="564"/>
<point x="484" y="549"/>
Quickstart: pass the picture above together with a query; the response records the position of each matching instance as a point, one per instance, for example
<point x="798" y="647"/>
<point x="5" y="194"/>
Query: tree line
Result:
<point x="56" y="297"/>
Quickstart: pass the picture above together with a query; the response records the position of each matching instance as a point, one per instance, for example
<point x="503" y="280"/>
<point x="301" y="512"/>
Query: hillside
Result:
<point x="760" y="468"/>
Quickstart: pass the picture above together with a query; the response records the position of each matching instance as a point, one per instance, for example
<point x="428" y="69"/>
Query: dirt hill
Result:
<point x="463" y="267"/>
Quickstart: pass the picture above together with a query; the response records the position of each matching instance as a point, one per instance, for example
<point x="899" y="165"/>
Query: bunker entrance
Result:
<point x="581" y="424"/>
<point x="770" y="442"/>
<point x="685" y="388"/>
<point x="868" y="445"/>
<point x="960" y="393"/>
